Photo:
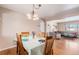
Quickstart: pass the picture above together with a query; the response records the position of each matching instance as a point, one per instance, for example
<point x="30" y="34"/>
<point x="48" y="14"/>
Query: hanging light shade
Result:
<point x="34" y="14"/>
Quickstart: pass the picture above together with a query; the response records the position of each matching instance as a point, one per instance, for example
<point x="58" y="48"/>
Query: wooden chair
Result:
<point x="48" y="46"/>
<point x="20" y="49"/>
<point x="25" y="33"/>
<point x="42" y="34"/>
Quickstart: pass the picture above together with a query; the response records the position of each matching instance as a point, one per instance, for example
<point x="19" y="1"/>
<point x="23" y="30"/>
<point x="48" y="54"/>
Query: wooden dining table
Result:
<point x="64" y="46"/>
<point x="34" y="46"/>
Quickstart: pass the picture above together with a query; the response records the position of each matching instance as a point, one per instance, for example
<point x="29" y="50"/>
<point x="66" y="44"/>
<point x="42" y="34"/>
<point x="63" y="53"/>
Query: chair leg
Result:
<point x="52" y="52"/>
<point x="17" y="50"/>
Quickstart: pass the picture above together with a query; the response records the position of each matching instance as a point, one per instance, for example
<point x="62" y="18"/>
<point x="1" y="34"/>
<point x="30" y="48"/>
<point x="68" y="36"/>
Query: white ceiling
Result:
<point x="45" y="11"/>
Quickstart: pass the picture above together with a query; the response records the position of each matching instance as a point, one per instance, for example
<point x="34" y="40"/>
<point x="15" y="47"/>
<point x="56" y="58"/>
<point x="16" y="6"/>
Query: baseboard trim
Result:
<point x="8" y="48"/>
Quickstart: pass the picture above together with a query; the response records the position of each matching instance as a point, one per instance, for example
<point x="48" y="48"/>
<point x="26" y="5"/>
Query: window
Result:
<point x="72" y="27"/>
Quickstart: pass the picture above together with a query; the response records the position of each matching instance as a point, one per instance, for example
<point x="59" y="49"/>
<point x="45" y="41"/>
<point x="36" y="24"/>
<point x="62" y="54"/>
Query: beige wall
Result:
<point x="13" y="22"/>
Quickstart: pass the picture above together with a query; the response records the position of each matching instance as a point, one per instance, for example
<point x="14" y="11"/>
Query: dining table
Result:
<point x="34" y="46"/>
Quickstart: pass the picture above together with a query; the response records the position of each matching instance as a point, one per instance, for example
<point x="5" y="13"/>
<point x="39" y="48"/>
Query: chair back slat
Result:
<point x="20" y="49"/>
<point x="25" y="33"/>
<point x="41" y="34"/>
<point x="49" y="46"/>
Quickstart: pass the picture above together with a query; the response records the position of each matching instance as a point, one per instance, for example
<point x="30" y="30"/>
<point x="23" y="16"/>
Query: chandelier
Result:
<point x="34" y="14"/>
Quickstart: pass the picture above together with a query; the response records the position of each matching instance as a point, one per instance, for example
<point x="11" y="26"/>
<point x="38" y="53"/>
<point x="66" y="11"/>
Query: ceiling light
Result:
<point x="34" y="14"/>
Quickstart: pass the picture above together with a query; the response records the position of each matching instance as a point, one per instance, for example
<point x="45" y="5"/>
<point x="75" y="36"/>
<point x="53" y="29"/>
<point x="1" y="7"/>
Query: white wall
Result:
<point x="42" y="26"/>
<point x="51" y="26"/>
<point x="13" y="22"/>
<point x="0" y="24"/>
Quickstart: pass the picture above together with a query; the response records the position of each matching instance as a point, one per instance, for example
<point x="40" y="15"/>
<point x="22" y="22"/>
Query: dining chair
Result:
<point x="20" y="49"/>
<point x="25" y="33"/>
<point x="48" y="50"/>
<point x="42" y="34"/>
